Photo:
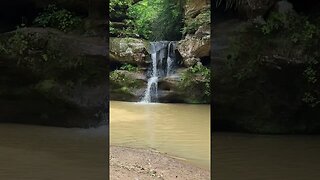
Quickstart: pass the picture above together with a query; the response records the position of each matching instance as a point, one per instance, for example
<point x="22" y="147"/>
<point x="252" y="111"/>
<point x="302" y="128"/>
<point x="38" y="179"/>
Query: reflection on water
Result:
<point x="265" y="157"/>
<point x="177" y="129"/>
<point x="38" y="152"/>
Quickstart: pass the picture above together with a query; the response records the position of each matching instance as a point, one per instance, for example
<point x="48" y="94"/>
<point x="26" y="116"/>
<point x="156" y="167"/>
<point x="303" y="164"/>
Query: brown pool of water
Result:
<point x="265" y="157"/>
<point x="50" y="153"/>
<point x="180" y="130"/>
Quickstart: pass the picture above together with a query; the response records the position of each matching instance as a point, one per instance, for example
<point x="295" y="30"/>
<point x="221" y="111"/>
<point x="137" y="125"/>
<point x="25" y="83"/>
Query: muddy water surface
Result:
<point x="180" y="130"/>
<point x="266" y="157"/>
<point x="50" y="153"/>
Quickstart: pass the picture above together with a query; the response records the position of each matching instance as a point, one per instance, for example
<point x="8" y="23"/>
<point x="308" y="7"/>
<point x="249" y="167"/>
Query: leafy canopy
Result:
<point x="149" y="19"/>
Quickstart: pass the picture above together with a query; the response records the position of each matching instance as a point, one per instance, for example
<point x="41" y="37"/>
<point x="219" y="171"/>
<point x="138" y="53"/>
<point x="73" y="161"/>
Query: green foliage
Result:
<point x="55" y="17"/>
<point x="129" y="67"/>
<point x="293" y="37"/>
<point x="152" y="20"/>
<point x="18" y="46"/>
<point x="312" y="75"/>
<point x="47" y="61"/>
<point x="193" y="24"/>
<point x="169" y="21"/>
<point x="118" y="10"/>
<point x="275" y="22"/>
<point x="196" y="77"/>
<point x="144" y="13"/>
<point x="299" y="28"/>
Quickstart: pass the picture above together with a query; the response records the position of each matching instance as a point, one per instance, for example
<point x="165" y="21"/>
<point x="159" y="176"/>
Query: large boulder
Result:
<point x="192" y="49"/>
<point x="126" y="85"/>
<point x="183" y="87"/>
<point x="50" y="78"/>
<point x="129" y="50"/>
<point x="258" y="87"/>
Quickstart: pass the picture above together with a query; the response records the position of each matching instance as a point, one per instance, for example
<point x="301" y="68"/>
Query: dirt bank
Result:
<point x="141" y="164"/>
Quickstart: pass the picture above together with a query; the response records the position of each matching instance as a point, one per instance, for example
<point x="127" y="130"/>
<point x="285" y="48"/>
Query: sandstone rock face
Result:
<point x="191" y="61"/>
<point x="129" y="50"/>
<point x="194" y="8"/>
<point x="191" y="50"/>
<point x="196" y="43"/>
<point x="169" y="91"/>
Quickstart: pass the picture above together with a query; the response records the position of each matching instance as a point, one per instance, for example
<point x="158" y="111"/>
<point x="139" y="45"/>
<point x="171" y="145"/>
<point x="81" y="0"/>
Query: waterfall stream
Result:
<point x="171" y="58"/>
<point x="163" y="59"/>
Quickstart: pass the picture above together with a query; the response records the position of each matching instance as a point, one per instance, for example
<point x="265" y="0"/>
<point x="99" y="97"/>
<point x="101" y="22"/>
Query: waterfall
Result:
<point x="163" y="58"/>
<point x="171" y="58"/>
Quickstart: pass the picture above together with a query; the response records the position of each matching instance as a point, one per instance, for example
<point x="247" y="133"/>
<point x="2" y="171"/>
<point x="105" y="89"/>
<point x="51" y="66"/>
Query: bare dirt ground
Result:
<point x="144" y="164"/>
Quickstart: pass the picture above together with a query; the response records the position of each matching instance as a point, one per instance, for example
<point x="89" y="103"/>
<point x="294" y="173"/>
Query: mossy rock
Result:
<point x="50" y="84"/>
<point x="125" y="85"/>
<point x="129" y="50"/>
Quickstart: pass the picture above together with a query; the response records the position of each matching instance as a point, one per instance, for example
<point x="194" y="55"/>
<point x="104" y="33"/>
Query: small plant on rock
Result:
<point x="195" y="77"/>
<point x="129" y="67"/>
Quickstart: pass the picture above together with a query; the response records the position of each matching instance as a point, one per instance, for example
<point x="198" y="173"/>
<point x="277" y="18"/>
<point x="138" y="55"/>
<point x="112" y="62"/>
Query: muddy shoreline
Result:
<point x="144" y="164"/>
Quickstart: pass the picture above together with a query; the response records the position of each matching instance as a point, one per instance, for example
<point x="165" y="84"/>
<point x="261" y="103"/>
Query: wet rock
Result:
<point x="127" y="86"/>
<point x="129" y="50"/>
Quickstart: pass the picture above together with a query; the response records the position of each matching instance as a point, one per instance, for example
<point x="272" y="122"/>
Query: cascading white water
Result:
<point x="170" y="60"/>
<point x="157" y="55"/>
<point x="153" y="80"/>
<point x="152" y="88"/>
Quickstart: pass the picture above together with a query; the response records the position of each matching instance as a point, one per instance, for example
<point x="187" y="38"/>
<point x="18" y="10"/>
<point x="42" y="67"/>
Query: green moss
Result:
<point x="292" y="37"/>
<point x="46" y="58"/>
<point x="129" y="67"/>
<point x="120" y="80"/>
<point x="18" y="45"/>
<point x="196" y="81"/>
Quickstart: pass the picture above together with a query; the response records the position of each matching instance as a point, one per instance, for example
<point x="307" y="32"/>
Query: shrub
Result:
<point x="289" y="36"/>
<point x="129" y="67"/>
<point x="55" y="17"/>
<point x="196" y="77"/>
